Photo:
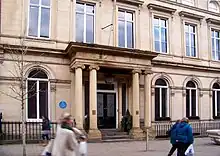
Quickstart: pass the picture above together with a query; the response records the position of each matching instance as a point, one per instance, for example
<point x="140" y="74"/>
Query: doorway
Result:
<point x="106" y="110"/>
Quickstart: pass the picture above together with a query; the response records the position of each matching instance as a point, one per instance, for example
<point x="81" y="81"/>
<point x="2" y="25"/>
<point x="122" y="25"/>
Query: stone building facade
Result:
<point x="157" y="58"/>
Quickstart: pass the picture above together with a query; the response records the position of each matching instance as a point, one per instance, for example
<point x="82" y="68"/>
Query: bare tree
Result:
<point x="17" y="55"/>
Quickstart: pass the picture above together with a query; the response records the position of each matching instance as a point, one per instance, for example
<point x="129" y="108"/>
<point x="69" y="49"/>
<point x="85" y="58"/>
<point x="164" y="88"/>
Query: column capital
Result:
<point x="147" y="71"/>
<point x="94" y="66"/>
<point x="136" y="71"/>
<point x="79" y="65"/>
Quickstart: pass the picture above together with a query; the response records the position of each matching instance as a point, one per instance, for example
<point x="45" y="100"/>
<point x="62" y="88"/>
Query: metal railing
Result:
<point x="199" y="127"/>
<point x="12" y="131"/>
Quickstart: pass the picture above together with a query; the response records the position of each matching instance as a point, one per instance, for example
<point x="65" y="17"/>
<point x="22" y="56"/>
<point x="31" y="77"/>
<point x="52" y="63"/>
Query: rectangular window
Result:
<point x="215" y="45"/>
<point x="85" y="22"/>
<point x="160" y="35"/>
<point x="39" y="18"/>
<point x="125" y="29"/>
<point x="190" y="40"/>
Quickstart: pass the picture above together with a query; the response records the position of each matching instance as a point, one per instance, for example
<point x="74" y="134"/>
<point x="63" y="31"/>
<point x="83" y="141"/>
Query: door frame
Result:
<point x="111" y="91"/>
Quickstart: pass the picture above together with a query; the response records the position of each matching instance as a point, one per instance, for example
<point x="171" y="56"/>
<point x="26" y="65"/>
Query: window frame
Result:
<point x="39" y="5"/>
<point x="84" y="16"/>
<point x="196" y="40"/>
<point x="167" y="35"/>
<point x="215" y="105"/>
<point x="215" y="45"/>
<point x="160" y="87"/>
<point x="37" y="95"/>
<point x="133" y="12"/>
<point x="190" y="100"/>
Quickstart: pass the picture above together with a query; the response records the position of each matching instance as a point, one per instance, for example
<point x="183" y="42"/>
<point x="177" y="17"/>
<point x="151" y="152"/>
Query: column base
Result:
<point x="137" y="134"/>
<point x="94" y="134"/>
<point x="151" y="133"/>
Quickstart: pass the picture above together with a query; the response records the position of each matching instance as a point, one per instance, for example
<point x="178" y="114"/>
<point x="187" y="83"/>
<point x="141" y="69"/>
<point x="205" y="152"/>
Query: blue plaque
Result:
<point x="62" y="104"/>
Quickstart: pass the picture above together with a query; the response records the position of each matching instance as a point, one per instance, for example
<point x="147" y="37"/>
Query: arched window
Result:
<point x="37" y="94"/>
<point x="161" y="100"/>
<point x="213" y="6"/>
<point x="188" y="2"/>
<point x="191" y="100"/>
<point x="216" y="100"/>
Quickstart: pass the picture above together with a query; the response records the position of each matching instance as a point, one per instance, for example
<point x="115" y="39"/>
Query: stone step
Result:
<point x="114" y="137"/>
<point x="117" y="140"/>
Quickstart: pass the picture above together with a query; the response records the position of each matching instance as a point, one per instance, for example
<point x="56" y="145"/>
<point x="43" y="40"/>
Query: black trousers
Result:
<point x="181" y="148"/>
<point x="172" y="150"/>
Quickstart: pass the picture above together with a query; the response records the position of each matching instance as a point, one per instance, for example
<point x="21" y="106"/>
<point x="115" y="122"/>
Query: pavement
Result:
<point x="203" y="147"/>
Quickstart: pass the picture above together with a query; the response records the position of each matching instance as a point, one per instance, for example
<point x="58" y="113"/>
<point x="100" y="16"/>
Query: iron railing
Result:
<point x="12" y="131"/>
<point x="199" y="127"/>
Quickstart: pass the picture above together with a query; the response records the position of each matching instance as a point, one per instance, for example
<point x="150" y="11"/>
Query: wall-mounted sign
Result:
<point x="62" y="104"/>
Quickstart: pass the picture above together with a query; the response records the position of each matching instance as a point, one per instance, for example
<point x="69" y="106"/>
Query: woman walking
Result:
<point x="45" y="130"/>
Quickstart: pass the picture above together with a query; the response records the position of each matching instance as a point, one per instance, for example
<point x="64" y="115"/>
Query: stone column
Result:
<point x="94" y="133"/>
<point x="53" y="100"/>
<point x="136" y="132"/>
<point x="79" y="95"/>
<point x="72" y="93"/>
<point x="147" y="98"/>
<point x="119" y="104"/>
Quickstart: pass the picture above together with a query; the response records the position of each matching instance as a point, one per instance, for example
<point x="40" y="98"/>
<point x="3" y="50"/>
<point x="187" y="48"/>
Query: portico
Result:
<point x="106" y="83"/>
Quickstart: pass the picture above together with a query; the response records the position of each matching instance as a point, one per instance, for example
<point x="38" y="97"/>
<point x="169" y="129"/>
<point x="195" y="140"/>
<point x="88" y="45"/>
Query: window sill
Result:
<point x="163" y="119"/>
<point x="30" y="38"/>
<point x="216" y="117"/>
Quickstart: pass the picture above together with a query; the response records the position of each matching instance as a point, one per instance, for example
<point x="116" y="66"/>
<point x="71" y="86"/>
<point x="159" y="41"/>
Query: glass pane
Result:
<point x="193" y="102"/>
<point x="187" y="39"/>
<point x="191" y="84"/>
<point x="90" y="28"/>
<point x="129" y="16"/>
<point x="121" y="33"/>
<point x="186" y="28"/>
<point x="160" y="82"/>
<point x="156" y="33"/>
<point x="157" y="103"/>
<point x="218" y="103"/>
<point x="188" y="51"/>
<point x="79" y="7"/>
<point x="216" y="34"/>
<point x="32" y="100"/>
<point x="90" y="9"/>
<point x="100" y="104"/>
<point x="193" y="40"/>
<point x="45" y="2"/>
<point x="34" y="1"/>
<point x="121" y="15"/>
<point x="218" y="49"/>
<point x="156" y="22"/>
<point x="130" y="39"/>
<point x="110" y="105"/>
<point x="164" y="47"/>
<point x="163" y="34"/>
<point x="213" y="33"/>
<point x="193" y="51"/>
<point x="157" y="46"/>
<point x="37" y="73"/>
<point x="163" y="23"/>
<point x="43" y="98"/>
<point x="216" y="86"/>
<point x="33" y="21"/>
<point x="213" y="49"/>
<point x="45" y="22"/>
<point x="187" y="103"/>
<point x="164" y="102"/>
<point x="213" y="103"/>
<point x="79" y="27"/>
<point x="192" y="29"/>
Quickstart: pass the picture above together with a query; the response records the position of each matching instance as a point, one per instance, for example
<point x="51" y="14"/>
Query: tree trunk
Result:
<point x="23" y="130"/>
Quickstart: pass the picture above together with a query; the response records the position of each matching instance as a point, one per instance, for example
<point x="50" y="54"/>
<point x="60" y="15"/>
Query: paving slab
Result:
<point x="203" y="147"/>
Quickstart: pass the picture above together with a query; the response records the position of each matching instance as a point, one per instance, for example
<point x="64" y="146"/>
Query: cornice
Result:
<point x="190" y="7"/>
<point x="213" y="21"/>
<point x="190" y="15"/>
<point x="161" y="8"/>
<point x="132" y="2"/>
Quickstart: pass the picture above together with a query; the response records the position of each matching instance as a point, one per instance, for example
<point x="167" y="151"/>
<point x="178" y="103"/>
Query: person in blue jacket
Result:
<point x="184" y="136"/>
<point x="172" y="135"/>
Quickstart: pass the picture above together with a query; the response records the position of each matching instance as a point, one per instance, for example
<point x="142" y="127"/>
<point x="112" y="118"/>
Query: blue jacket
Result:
<point x="172" y="133"/>
<point x="184" y="133"/>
